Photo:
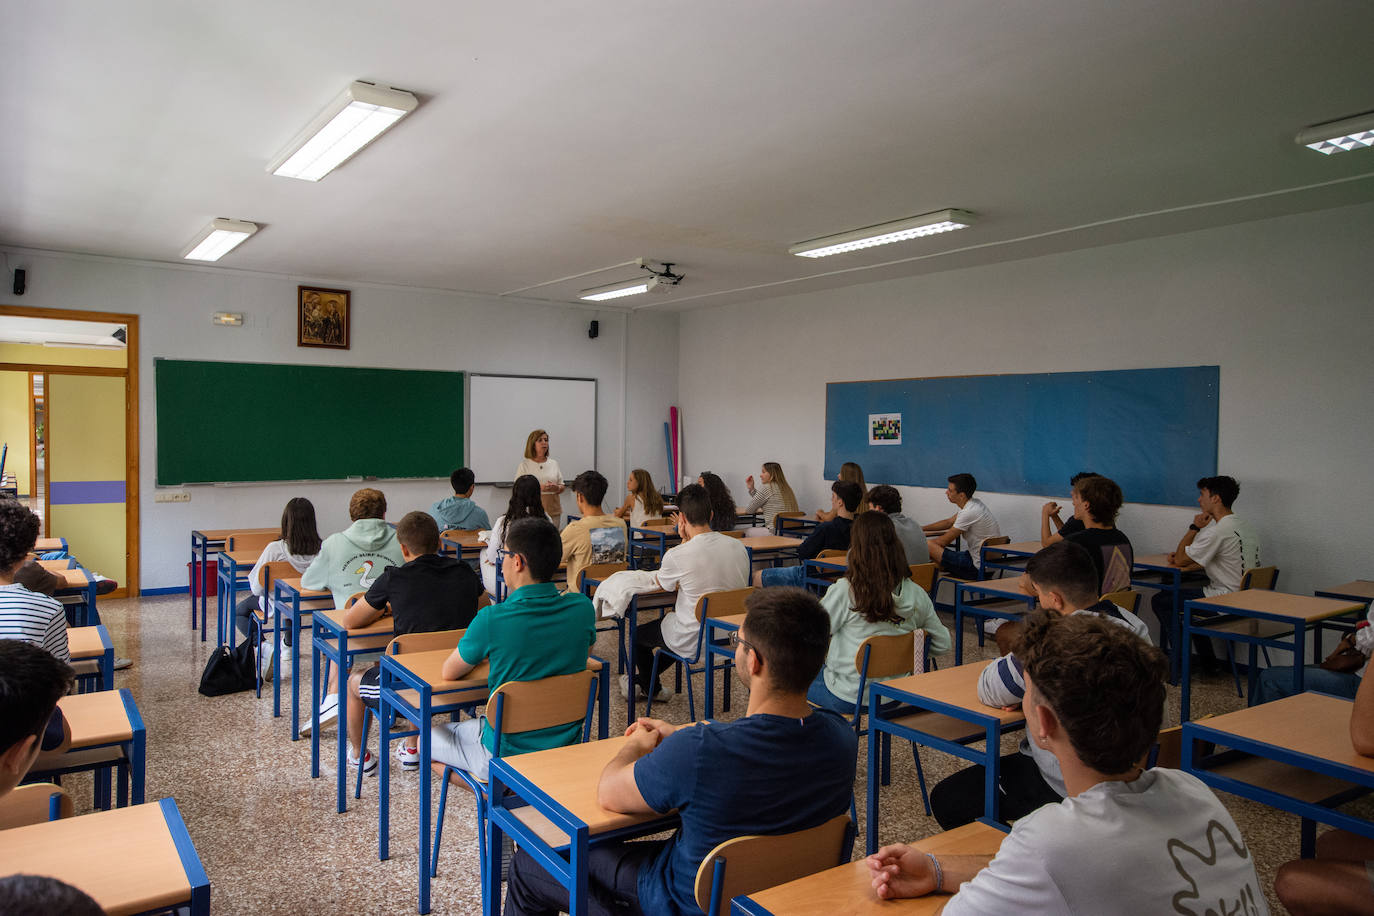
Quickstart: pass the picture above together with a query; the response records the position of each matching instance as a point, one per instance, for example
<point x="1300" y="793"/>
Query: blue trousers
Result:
<point x="1277" y="683"/>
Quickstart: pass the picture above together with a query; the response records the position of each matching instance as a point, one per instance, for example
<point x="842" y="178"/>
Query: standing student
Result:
<point x="458" y="510"/>
<point x="1096" y="503"/>
<point x="525" y="502"/>
<point x="875" y="597"/>
<point x="973" y="521"/>
<point x="1094" y="701"/>
<point x="26" y="615"/>
<point x="1219" y="543"/>
<point x="773" y="495"/>
<point x="546" y="470"/>
<point x="351" y="560"/>
<point x="855" y="474"/>
<point x="887" y="500"/>
<point x="642" y="499"/>
<point x="723" y="515"/>
<point x="596" y="537"/>
<point x="31" y="683"/>
<point x="1049" y="514"/>
<point x="298" y="543"/>
<point x="831" y="535"/>
<point x="428" y="594"/>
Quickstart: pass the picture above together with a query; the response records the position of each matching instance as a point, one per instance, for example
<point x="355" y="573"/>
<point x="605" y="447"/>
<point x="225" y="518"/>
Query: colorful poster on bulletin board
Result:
<point x="884" y="429"/>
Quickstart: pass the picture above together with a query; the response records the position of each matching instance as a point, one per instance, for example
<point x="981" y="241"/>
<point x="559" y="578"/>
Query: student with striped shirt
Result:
<point x="773" y="495"/>
<point x="26" y="615"/>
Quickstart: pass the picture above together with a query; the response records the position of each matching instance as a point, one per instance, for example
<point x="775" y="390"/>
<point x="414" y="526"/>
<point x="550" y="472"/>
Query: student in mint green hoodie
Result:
<point x="351" y="560"/>
<point x="458" y="510"/>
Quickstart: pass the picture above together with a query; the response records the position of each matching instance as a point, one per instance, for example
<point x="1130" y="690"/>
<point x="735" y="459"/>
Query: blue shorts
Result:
<point x="958" y="563"/>
<point x="794" y="576"/>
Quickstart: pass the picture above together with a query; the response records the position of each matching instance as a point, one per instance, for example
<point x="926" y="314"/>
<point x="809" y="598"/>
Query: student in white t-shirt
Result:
<point x="973" y="522"/>
<point x="705" y="561"/>
<point x="1095" y="699"/>
<point x="1218" y="543"/>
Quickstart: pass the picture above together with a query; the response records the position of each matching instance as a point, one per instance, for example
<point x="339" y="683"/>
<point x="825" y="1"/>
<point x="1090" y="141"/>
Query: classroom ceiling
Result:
<point x="553" y="139"/>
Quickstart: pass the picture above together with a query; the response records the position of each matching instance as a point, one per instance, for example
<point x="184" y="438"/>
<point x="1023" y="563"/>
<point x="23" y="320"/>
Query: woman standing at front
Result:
<point x="546" y="470"/>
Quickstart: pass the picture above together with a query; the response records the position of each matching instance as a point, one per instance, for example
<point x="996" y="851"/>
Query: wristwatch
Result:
<point x="1194" y="528"/>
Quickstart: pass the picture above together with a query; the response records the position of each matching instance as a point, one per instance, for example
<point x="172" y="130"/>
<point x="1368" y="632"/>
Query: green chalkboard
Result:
<point x="222" y="422"/>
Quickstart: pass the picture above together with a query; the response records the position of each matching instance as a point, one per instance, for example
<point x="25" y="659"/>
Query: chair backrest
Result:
<point x="1168" y="750"/>
<point x="659" y="523"/>
<point x="33" y="804"/>
<point x="424" y="642"/>
<point x="1127" y="598"/>
<point x="736" y="533"/>
<point x="756" y="863"/>
<point x="457" y="533"/>
<point x="830" y="552"/>
<point x="270" y="572"/>
<point x="723" y="603"/>
<point x="1261" y="577"/>
<point x="785" y="521"/>
<point x="354" y="599"/>
<point x="598" y="571"/>
<point x="997" y="541"/>
<point x="249" y="541"/>
<point x="887" y="656"/>
<point x="522" y="706"/>
<point x="923" y="574"/>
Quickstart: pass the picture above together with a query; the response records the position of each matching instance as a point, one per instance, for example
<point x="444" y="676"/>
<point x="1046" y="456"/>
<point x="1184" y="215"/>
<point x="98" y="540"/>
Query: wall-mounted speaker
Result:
<point x="19" y="284"/>
<point x="594" y="330"/>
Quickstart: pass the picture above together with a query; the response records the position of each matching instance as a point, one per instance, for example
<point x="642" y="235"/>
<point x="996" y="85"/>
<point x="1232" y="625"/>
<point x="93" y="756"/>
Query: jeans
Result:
<point x="1277" y="683"/>
<point x="820" y="695"/>
<point x="612" y="881"/>
<point x="648" y="636"/>
<point x="793" y="576"/>
<point x="958" y="799"/>
<point x="959" y="563"/>
<point x="243" y="617"/>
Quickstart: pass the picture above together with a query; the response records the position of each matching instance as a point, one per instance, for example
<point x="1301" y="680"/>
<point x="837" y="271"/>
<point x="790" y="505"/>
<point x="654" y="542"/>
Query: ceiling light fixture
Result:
<point x="899" y="231"/>
<point x="660" y="281"/>
<point x="352" y="121"/>
<point x="1339" y="136"/>
<point x="218" y="239"/>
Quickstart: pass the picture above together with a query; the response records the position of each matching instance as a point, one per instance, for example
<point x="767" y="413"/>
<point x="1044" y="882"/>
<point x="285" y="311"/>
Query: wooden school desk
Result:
<point x="1005" y="599"/>
<point x="231" y="573"/>
<point x="47" y="545"/>
<point x="1258" y="605"/>
<point x="1008" y="556"/>
<point x="1293" y="754"/>
<point x="202" y="542"/>
<point x="770" y="548"/>
<point x="848" y="890"/>
<point x="93" y="644"/>
<point x="654" y="540"/>
<point x="464" y="546"/>
<point x="718" y="645"/>
<point x="75" y="581"/>
<point x="99" y="722"/>
<point x="948" y="715"/>
<point x="288" y="597"/>
<point x="130" y="860"/>
<point x="628" y="626"/>
<point x="551" y="811"/>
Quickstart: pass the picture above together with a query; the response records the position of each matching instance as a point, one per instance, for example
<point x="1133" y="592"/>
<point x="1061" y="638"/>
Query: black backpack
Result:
<point x="230" y="670"/>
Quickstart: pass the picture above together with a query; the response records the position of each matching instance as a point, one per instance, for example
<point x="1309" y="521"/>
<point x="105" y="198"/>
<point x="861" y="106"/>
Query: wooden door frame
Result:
<point x="130" y="374"/>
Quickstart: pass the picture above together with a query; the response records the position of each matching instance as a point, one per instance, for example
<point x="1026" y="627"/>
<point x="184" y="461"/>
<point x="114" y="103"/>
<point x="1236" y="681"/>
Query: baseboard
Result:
<point x="173" y="590"/>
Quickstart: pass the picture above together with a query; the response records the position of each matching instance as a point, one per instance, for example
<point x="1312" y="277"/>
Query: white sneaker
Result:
<point x="267" y="659"/>
<point x="992" y="625"/>
<point x="625" y="686"/>
<point x="329" y="711"/>
<point x="662" y="694"/>
<point x="368" y="762"/>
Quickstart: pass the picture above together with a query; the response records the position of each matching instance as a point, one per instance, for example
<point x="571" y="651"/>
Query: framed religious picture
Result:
<point x="322" y="317"/>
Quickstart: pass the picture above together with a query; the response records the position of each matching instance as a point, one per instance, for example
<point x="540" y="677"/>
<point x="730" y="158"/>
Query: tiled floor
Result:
<point x="271" y="841"/>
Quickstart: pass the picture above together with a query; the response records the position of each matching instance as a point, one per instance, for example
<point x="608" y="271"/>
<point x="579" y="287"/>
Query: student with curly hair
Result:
<point x="26" y="615"/>
<point x="723" y="513"/>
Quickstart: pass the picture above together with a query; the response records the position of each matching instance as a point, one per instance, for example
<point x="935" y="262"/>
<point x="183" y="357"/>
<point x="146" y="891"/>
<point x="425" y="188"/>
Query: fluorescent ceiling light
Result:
<point x="623" y="288"/>
<point x="352" y="121"/>
<point x="218" y="239"/>
<point x="1339" y="136"/>
<point x="899" y="231"/>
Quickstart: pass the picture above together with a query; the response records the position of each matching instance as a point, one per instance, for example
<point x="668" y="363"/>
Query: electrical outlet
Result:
<point x="172" y="496"/>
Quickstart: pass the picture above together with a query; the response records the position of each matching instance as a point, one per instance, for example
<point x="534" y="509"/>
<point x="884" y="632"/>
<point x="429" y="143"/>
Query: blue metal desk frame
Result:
<point x="190" y="860"/>
<point x="1001" y="557"/>
<point x="133" y="773"/>
<point x="331" y="640"/>
<point x="289" y="597"/>
<point x="714" y="649"/>
<point x="1167" y="579"/>
<point x="201" y="545"/>
<point x="86" y="614"/>
<point x="104" y="663"/>
<point x="230" y="578"/>
<point x="996" y="589"/>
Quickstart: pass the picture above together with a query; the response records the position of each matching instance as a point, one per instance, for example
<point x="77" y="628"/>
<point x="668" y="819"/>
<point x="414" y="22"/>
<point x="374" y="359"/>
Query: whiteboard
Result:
<point x="503" y="409"/>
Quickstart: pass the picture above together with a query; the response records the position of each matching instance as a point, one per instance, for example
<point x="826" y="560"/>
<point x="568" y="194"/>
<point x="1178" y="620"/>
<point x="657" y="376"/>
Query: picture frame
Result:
<point x="323" y="317"/>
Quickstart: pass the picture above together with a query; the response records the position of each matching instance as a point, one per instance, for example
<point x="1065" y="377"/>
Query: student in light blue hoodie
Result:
<point x="351" y="560"/>
<point x="458" y="510"/>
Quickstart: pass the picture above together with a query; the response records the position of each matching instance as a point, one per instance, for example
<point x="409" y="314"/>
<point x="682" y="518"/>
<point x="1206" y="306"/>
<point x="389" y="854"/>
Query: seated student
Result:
<point x="429" y="593"/>
<point x="458" y="510"/>
<point x="774" y="494"/>
<point x="1338" y="881"/>
<point x="26" y="615"/>
<point x="31" y="683"/>
<point x="783" y="766"/>
<point x="1094" y="701"/>
<point x="1065" y="582"/>
<point x="705" y="561"/>
<point x="526" y="501"/>
<point x="876" y="597"/>
<point x="723" y="514"/>
<point x="642" y="499"/>
<point x="832" y="535"/>
<point x="855" y="474"/>
<point x="1217" y="542"/>
<point x="536" y="632"/>
<point x="596" y="537"/>
<point x="886" y="499"/>
<point x="298" y="544"/>
<point x="973" y="522"/>
<point x="1096" y="502"/>
<point x="1050" y="513"/>
<point x="349" y="561"/>
<point x="37" y="579"/>
<point x="1340" y="673"/>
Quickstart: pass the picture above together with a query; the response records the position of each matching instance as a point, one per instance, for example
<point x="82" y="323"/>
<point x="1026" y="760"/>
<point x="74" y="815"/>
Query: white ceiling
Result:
<point x="556" y="138"/>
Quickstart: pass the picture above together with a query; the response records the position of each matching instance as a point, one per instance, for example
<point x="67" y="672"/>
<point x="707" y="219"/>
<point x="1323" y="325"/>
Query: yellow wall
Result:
<point x="62" y="356"/>
<point x="14" y="426"/>
<point x="85" y="442"/>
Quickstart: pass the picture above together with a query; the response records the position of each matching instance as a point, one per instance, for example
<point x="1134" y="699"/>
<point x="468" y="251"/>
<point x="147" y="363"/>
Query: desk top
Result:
<point x="1153" y="561"/>
<point x="97" y="718"/>
<point x="957" y="687"/>
<point x="71" y="576"/>
<point x="569" y="775"/>
<point x="1281" y="604"/>
<point x="126" y="858"/>
<point x="838" y="562"/>
<point x="1310" y="723"/>
<point x="729" y="622"/>
<point x="1360" y="588"/>
<point x="1011" y="587"/>
<point x="241" y="557"/>
<point x="88" y="642"/>
<point x="465" y="539"/>
<point x="295" y="586"/>
<point x="425" y="665"/>
<point x="848" y="888"/>
<point x="1020" y="548"/>
<point x="221" y="534"/>
<point x="334" y="620"/>
<point x="770" y="542"/>
<point x="45" y="544"/>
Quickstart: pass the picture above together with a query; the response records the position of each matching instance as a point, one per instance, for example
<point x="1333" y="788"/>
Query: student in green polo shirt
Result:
<point x="536" y="632"/>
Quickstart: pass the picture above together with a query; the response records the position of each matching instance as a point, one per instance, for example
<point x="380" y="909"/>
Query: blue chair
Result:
<point x="712" y="604"/>
<point x="517" y="706"/>
<point x="34" y="804"/>
<point x="1261" y="577"/>
<point x="749" y="864"/>
<point x="587" y="581"/>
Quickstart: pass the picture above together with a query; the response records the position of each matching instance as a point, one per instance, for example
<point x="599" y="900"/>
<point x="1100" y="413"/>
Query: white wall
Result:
<point x="393" y="327"/>
<point x="1282" y="305"/>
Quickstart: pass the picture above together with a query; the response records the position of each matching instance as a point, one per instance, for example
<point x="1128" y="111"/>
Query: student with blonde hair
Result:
<point x="546" y="470"/>
<point x="851" y="472"/>
<point x="642" y="499"/>
<point x="773" y="495"/>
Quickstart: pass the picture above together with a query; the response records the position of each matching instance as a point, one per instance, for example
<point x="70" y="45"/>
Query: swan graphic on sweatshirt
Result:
<point x="365" y="574"/>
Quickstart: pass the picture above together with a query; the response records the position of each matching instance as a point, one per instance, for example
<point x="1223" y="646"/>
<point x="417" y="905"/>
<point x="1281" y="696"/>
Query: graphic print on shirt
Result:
<point x="1116" y="569"/>
<point x="365" y="579"/>
<point x="1193" y="865"/>
<point x="608" y="544"/>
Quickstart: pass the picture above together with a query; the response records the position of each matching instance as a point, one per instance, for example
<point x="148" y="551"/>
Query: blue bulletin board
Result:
<point x="1153" y="431"/>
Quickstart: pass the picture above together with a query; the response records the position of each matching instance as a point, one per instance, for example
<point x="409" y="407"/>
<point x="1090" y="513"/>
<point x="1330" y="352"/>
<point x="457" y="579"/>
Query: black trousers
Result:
<point x="958" y="799"/>
<point x="648" y="636"/>
<point x="243" y="615"/>
<point x="1163" y="605"/>
<point x="612" y="882"/>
